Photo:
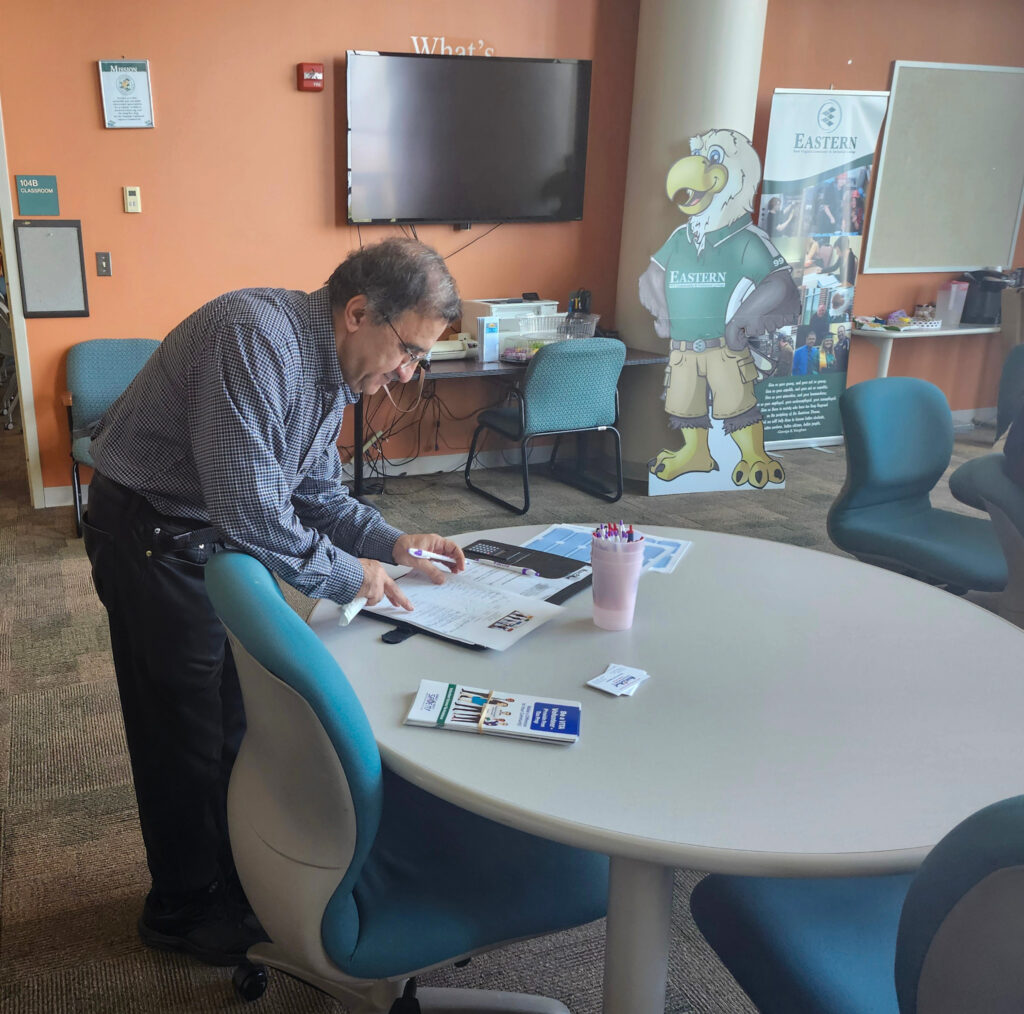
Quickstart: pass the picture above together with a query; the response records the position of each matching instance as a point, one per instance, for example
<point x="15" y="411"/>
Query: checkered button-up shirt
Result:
<point x="234" y="422"/>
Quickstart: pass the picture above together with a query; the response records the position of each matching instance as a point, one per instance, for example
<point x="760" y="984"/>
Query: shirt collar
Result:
<point x="321" y="326"/>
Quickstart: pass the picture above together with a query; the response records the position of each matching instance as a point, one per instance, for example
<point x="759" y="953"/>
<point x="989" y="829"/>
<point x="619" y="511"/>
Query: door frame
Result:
<point x="23" y="367"/>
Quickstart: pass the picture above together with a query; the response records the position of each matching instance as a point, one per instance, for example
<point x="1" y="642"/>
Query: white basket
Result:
<point x="560" y="325"/>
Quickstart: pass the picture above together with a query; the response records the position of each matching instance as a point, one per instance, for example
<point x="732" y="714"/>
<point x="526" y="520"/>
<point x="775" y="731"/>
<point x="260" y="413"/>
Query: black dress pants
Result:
<point x="180" y="698"/>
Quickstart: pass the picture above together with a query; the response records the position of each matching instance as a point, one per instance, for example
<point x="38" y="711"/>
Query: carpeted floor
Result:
<point x="72" y="871"/>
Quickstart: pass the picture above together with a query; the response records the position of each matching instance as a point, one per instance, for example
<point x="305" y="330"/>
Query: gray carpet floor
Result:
<point x="72" y="869"/>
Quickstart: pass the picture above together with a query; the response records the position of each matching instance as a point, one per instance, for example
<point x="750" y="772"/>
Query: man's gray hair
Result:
<point x="397" y="275"/>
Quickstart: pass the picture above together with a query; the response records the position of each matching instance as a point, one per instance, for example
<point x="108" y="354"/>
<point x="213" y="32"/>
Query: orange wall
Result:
<point x="239" y="177"/>
<point x="811" y="44"/>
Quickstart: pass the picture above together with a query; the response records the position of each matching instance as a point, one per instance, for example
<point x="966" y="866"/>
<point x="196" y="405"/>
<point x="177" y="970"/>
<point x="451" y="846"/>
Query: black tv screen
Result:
<point x="463" y="139"/>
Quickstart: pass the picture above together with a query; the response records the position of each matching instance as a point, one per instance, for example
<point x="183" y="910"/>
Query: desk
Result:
<point x="806" y="715"/>
<point x="455" y="369"/>
<point x="882" y="340"/>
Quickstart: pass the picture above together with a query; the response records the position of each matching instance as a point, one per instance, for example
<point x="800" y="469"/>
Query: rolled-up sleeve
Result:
<point x="239" y="391"/>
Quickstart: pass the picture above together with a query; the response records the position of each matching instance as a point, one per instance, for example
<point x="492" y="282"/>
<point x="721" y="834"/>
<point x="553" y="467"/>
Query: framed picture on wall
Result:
<point x="52" y="267"/>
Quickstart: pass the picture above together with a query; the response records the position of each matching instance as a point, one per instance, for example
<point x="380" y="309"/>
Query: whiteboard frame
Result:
<point x="866" y="267"/>
<point x="80" y="308"/>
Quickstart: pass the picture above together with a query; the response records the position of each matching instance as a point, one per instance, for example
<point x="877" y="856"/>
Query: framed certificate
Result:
<point x="127" y="97"/>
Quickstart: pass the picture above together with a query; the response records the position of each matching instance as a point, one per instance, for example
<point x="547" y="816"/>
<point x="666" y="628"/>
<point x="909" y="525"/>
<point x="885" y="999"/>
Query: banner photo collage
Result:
<point x="818" y="165"/>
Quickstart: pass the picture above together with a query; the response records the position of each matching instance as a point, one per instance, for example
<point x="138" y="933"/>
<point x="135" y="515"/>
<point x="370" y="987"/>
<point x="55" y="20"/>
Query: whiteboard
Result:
<point x="52" y="267"/>
<point x="950" y="185"/>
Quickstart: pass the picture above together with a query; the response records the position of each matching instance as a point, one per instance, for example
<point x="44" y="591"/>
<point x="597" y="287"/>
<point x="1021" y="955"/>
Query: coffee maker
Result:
<point x="984" y="296"/>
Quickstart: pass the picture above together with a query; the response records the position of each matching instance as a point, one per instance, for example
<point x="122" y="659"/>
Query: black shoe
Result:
<point x="205" y="926"/>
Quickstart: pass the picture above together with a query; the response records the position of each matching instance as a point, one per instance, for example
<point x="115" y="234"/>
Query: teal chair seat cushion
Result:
<point x="504" y="420"/>
<point x="441" y="881"/>
<point x="949" y="548"/>
<point x="806" y="946"/>
<point x="80" y="450"/>
<point x="985" y="479"/>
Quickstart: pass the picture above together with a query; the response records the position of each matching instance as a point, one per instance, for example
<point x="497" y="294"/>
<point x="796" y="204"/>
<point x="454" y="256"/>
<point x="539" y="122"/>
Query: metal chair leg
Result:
<point x="491" y="496"/>
<point x="76" y="493"/>
<point x="580" y="480"/>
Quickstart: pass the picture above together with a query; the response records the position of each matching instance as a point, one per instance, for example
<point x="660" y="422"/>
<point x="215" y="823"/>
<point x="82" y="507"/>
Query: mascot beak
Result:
<point x="693" y="182"/>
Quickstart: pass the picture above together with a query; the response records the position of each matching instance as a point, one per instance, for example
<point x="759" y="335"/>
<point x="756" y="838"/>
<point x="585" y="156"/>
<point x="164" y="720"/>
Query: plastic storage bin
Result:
<point x="950" y="303"/>
<point x="536" y="332"/>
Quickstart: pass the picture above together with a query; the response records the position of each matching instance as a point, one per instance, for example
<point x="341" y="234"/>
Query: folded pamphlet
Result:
<point x="495" y="712"/>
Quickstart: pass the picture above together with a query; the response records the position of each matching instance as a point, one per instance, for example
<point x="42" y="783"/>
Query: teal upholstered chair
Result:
<point x="983" y="483"/>
<point x="360" y="879"/>
<point x="98" y="371"/>
<point x="947" y="940"/>
<point x="569" y="387"/>
<point x="899" y="440"/>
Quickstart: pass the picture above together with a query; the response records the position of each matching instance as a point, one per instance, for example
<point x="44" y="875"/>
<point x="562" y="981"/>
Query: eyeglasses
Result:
<point x="414" y="356"/>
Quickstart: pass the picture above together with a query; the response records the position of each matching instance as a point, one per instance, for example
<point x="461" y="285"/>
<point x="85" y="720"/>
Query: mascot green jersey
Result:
<point x="716" y="283"/>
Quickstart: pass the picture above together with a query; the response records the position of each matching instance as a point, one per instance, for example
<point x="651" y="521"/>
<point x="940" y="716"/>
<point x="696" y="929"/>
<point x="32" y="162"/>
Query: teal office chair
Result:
<point x="947" y="940"/>
<point x="98" y="371"/>
<point x="569" y="387"/>
<point x="899" y="441"/>
<point x="360" y="879"/>
<point x="982" y="483"/>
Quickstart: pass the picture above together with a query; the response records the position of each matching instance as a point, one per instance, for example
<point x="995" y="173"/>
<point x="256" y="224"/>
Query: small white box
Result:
<point x="488" y="339"/>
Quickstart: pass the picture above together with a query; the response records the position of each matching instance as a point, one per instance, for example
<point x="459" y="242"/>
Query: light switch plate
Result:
<point x="102" y="263"/>
<point x="133" y="200"/>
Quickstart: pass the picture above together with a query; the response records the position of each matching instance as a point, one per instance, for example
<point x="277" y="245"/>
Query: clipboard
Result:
<point x="548" y="565"/>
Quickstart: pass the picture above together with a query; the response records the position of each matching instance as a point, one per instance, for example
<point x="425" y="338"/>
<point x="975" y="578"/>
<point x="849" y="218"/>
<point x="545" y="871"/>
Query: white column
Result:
<point x="697" y="67"/>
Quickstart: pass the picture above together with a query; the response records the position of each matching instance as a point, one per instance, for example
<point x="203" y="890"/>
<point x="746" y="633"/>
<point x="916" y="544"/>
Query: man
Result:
<point x="228" y="437"/>
<point x="804" y="359"/>
<point x="819" y="323"/>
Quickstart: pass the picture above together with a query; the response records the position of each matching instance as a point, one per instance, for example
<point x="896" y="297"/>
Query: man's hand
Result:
<point x="433" y="544"/>
<point x="377" y="584"/>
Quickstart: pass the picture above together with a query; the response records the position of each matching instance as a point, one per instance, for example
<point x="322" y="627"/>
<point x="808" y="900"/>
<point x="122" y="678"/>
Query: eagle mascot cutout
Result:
<point x="715" y="284"/>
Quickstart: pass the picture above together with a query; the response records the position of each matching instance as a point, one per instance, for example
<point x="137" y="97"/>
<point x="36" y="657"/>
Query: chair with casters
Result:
<point x="946" y="940"/>
<point x="899" y="441"/>
<point x="98" y="371"/>
<point x="569" y="387"/>
<point x="361" y="879"/>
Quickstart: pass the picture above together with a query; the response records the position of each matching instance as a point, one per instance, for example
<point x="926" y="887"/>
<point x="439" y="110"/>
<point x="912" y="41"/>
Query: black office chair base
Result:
<point x="572" y="476"/>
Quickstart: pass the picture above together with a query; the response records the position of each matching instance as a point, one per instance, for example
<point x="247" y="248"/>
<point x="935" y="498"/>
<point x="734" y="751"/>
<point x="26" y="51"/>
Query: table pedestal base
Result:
<point x="637" y="939"/>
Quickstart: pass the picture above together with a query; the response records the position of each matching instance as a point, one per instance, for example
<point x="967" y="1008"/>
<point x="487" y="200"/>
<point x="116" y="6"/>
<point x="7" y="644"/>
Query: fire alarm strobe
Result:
<point x="310" y="77"/>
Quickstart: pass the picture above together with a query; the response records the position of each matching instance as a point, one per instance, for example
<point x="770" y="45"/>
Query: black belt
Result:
<point x="196" y="538"/>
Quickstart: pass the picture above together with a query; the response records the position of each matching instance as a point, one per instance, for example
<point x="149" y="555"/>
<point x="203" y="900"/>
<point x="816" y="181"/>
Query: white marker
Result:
<point x="426" y="554"/>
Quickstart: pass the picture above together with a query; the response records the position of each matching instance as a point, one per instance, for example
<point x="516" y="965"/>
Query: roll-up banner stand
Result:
<point x="818" y="164"/>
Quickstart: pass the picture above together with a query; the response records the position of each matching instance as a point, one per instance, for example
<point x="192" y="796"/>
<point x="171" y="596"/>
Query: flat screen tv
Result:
<point x="462" y="139"/>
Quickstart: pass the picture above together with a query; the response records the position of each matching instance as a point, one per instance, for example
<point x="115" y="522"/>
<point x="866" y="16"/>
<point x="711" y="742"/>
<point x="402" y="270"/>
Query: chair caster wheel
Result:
<point x="250" y="981"/>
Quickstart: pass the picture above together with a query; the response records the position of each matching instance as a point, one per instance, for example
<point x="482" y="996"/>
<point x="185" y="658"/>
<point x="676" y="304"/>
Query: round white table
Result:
<point x="806" y="715"/>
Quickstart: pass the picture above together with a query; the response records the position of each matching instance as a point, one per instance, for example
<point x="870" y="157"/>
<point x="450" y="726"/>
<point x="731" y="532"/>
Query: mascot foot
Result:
<point x="669" y="465"/>
<point x="758" y="473"/>
<point x="755" y="466"/>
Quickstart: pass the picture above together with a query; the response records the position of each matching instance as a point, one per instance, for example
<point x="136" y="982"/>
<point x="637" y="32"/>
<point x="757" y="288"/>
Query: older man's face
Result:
<point x="372" y="355"/>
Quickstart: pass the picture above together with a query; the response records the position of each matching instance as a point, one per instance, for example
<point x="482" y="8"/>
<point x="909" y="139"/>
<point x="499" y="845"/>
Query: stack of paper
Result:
<point x="619" y="680"/>
<point x="470" y="709"/>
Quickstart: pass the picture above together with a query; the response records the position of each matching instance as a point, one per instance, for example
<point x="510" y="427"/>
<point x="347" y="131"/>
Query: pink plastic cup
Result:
<point x="617" y="567"/>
